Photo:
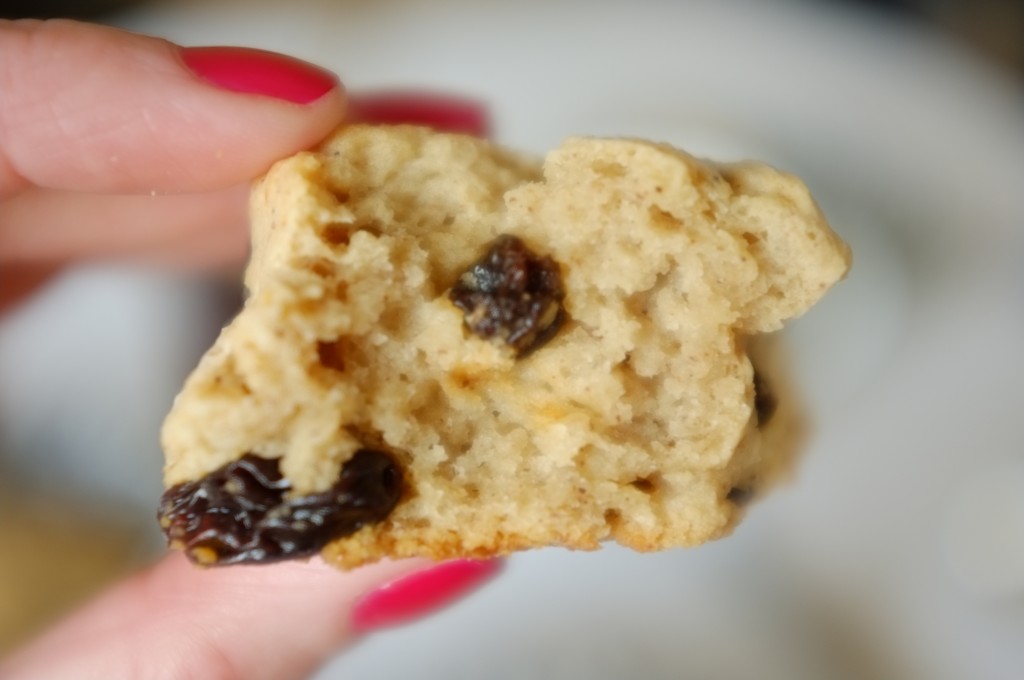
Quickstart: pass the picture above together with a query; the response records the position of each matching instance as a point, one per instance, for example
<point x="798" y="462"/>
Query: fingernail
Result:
<point x="241" y="69"/>
<point x="421" y="593"/>
<point x="441" y="112"/>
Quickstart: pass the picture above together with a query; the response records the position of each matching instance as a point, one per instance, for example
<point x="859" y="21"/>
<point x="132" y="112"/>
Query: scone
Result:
<point x="449" y="350"/>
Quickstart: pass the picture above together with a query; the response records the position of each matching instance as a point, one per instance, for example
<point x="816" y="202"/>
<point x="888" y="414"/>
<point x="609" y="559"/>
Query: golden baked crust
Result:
<point x="635" y="422"/>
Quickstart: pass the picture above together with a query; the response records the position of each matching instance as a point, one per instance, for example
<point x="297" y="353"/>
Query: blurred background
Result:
<point x="899" y="550"/>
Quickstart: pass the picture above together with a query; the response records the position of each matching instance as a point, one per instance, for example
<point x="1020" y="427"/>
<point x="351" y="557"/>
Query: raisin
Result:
<point x="765" y="402"/>
<point x="240" y="513"/>
<point x="740" y="495"/>
<point x="512" y="295"/>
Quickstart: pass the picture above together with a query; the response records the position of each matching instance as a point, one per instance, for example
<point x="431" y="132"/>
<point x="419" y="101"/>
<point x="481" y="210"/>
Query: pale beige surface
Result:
<point x="633" y="423"/>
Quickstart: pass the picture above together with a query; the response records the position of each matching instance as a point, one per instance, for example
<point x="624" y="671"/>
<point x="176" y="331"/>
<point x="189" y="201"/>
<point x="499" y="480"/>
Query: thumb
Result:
<point x="278" y="622"/>
<point x="90" y="108"/>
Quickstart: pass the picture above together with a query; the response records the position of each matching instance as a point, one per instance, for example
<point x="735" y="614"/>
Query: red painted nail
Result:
<point x="441" y="112"/>
<point x="420" y="593"/>
<point x="241" y="69"/>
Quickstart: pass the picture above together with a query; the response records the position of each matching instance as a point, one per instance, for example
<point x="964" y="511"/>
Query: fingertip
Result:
<point x="274" y="622"/>
<point x="90" y="108"/>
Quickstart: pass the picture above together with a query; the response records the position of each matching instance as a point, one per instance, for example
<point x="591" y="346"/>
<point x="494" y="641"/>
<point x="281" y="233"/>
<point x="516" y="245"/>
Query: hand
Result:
<point x="119" y="145"/>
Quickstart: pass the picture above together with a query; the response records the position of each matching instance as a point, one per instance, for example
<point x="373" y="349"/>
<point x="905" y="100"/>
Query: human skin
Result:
<point x="114" y="146"/>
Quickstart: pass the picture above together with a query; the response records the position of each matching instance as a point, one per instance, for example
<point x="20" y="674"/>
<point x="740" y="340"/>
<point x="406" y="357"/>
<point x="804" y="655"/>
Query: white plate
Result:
<point x="870" y="565"/>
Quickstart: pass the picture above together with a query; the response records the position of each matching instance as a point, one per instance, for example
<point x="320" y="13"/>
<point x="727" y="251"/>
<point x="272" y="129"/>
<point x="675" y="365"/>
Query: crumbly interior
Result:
<point x="635" y="422"/>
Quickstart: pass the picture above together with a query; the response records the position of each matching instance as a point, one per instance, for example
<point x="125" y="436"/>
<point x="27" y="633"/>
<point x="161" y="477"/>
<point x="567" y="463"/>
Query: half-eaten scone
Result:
<point x="449" y="350"/>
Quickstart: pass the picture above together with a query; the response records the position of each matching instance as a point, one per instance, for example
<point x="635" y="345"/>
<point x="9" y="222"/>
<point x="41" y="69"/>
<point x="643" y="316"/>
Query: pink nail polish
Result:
<point x="241" y="69"/>
<point x="441" y="112"/>
<point x="421" y="593"/>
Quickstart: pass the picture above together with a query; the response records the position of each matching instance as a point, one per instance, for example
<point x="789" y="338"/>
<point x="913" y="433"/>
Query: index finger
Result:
<point x="90" y="108"/>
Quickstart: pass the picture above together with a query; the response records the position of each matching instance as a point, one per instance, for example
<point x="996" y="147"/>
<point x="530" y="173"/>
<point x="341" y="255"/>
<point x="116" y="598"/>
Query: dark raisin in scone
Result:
<point x="448" y="350"/>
